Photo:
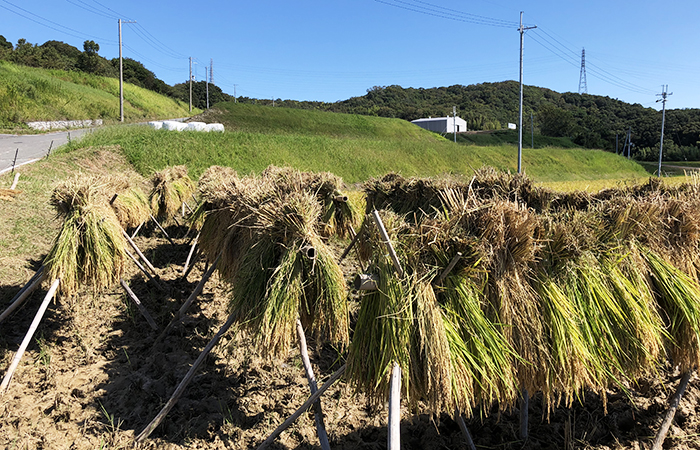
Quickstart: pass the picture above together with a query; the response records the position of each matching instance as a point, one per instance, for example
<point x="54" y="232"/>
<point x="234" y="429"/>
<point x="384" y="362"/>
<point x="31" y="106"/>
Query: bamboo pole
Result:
<point x="465" y="431"/>
<point x="183" y="384"/>
<point x="189" y="256"/>
<point x="349" y="247"/>
<point x="143" y="269"/>
<point x="136" y="231"/>
<point x="387" y="242"/>
<point x="140" y="306"/>
<point x="333" y="378"/>
<point x="394" y="431"/>
<point x="318" y="412"/>
<point x="449" y="268"/>
<point x="194" y="261"/>
<point x="198" y="289"/>
<point x="138" y="252"/>
<point x="162" y="229"/>
<point x="670" y="414"/>
<point x="34" y="282"/>
<point x="28" y="337"/>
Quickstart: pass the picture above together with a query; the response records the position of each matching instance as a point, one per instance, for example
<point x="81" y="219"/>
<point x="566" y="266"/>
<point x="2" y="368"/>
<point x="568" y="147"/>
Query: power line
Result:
<point x="446" y="13"/>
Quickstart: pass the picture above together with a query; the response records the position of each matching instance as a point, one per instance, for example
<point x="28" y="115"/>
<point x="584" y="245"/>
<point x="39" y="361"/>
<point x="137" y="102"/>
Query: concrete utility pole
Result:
<point x="190" y="84"/>
<point x="121" y="72"/>
<point x="521" y="29"/>
<point x="663" y="95"/>
<point x="454" y="122"/>
<point x="207" y="79"/>
<point x="235" y="99"/>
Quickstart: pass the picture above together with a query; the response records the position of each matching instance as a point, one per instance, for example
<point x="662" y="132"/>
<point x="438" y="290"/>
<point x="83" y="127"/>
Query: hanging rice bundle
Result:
<point x="288" y="272"/>
<point x="89" y="249"/>
<point x="215" y="186"/>
<point x="131" y="207"/>
<point x="677" y="295"/>
<point x="171" y="187"/>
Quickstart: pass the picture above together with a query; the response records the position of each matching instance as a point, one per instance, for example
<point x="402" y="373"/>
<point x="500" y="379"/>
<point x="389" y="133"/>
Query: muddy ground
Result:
<point x="95" y="375"/>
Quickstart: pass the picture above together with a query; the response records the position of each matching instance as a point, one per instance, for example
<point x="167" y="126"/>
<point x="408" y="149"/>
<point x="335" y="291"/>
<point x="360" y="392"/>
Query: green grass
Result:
<point x="500" y="137"/>
<point x="31" y="94"/>
<point x="353" y="147"/>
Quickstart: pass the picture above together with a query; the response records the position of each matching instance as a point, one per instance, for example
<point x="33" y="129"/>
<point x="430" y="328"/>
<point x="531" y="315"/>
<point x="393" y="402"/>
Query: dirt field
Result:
<point x="96" y="374"/>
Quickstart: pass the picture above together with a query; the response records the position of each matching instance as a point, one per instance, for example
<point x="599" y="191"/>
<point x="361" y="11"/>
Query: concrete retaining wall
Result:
<point x="63" y="124"/>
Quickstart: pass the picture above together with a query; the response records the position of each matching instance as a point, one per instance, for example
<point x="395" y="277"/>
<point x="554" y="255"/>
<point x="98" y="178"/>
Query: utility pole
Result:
<point x="190" y="84"/>
<point x="207" y="79"/>
<point x="532" y="130"/>
<point x="211" y="70"/>
<point x="121" y="72"/>
<point x="235" y="99"/>
<point x="520" y="113"/>
<point x="454" y="122"/>
<point x="664" y="93"/>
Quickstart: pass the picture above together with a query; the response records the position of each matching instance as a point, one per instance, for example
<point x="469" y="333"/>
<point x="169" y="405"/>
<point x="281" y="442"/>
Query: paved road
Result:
<point x="31" y="146"/>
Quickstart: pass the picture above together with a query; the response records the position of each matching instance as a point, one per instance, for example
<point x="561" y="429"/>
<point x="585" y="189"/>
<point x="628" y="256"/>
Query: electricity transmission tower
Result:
<point x="664" y="93"/>
<point x="582" y="85"/>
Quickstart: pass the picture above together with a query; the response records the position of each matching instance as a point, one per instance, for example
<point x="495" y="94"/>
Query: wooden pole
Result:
<point x="670" y="414"/>
<point x="162" y="229"/>
<point x="141" y="308"/>
<point x="349" y="247"/>
<point x="143" y="269"/>
<point x="183" y="384"/>
<point x="14" y="182"/>
<point x="28" y="337"/>
<point x="524" y="406"/>
<point x="318" y="412"/>
<point x="465" y="431"/>
<point x="136" y="231"/>
<point x="138" y="252"/>
<point x="303" y="408"/>
<point x="449" y="268"/>
<point x="194" y="261"/>
<point x="394" y="431"/>
<point x="198" y="289"/>
<point x="189" y="256"/>
<point x="387" y="242"/>
<point x="25" y="292"/>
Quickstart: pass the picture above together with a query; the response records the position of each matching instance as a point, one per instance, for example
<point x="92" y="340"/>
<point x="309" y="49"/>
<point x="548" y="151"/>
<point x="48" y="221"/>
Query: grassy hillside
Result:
<point x="354" y="147"/>
<point x="30" y="94"/>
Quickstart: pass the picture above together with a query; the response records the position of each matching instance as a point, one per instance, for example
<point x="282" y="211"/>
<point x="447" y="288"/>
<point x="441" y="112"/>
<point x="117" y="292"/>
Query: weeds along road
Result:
<point x="32" y="146"/>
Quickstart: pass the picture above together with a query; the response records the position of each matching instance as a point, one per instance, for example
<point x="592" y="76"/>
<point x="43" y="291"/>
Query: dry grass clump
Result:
<point x="89" y="249"/>
<point x="9" y="194"/>
<point x="171" y="187"/>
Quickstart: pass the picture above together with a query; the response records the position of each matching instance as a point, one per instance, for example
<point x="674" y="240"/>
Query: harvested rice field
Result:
<point x="585" y="303"/>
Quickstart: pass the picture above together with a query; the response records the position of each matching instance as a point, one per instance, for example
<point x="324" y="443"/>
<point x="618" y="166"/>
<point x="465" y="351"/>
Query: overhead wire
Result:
<point x="446" y="13"/>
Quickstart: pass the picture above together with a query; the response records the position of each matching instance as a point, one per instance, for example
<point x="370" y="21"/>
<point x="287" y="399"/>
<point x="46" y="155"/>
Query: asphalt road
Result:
<point x="31" y="147"/>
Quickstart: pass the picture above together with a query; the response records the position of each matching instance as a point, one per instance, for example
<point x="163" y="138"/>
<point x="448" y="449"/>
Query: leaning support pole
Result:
<point x="138" y="252"/>
<point x="139" y="305"/>
<point x="318" y="412"/>
<point x="25" y="292"/>
<point x="670" y="414"/>
<point x="162" y="229"/>
<point x="143" y="269"/>
<point x="28" y="337"/>
<point x="394" y="431"/>
<point x="303" y="408"/>
<point x="387" y="242"/>
<point x="198" y="290"/>
<point x="183" y="384"/>
<point x="465" y="431"/>
<point x="189" y="256"/>
<point x="14" y="182"/>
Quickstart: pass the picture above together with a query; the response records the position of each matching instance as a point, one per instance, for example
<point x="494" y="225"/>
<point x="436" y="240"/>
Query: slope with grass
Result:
<point x="32" y="94"/>
<point x="351" y="146"/>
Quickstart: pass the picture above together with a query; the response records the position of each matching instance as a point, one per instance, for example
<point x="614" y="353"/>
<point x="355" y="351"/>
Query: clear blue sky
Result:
<point x="336" y="49"/>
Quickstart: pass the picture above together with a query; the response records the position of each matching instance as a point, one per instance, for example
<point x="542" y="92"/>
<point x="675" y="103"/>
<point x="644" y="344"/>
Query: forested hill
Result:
<point x="589" y="120"/>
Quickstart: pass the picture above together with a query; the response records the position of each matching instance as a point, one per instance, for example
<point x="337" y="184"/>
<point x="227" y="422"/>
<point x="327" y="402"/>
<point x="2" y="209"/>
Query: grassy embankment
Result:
<point x="30" y="94"/>
<point x="351" y="146"/>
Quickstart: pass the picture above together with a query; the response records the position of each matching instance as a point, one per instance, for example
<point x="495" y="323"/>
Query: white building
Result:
<point x="442" y="124"/>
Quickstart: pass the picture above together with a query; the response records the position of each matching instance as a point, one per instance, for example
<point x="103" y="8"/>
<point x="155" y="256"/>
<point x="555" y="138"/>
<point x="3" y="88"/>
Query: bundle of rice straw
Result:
<point x="287" y="271"/>
<point x="171" y="187"/>
<point x="131" y="205"/>
<point x="89" y="249"/>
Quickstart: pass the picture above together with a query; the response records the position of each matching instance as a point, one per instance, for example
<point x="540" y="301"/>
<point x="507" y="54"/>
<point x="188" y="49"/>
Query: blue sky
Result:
<point x="333" y="50"/>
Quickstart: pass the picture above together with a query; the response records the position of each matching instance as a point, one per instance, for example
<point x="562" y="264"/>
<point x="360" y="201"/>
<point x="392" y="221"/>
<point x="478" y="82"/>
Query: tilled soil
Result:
<point x="95" y="375"/>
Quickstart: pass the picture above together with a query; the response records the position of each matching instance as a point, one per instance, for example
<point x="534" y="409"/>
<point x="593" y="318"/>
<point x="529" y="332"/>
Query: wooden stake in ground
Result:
<point x="162" y="229"/>
<point x="198" y="289"/>
<point x="141" y="308"/>
<point x="465" y="431"/>
<point x="25" y="292"/>
<point x="318" y="412"/>
<point x="673" y="406"/>
<point x="387" y="242"/>
<point x="143" y="269"/>
<point x="183" y="384"/>
<point x="138" y="252"/>
<point x="14" y="182"/>
<point x="303" y="408"/>
<point x="28" y="337"/>
<point x="189" y="256"/>
<point x="394" y="430"/>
